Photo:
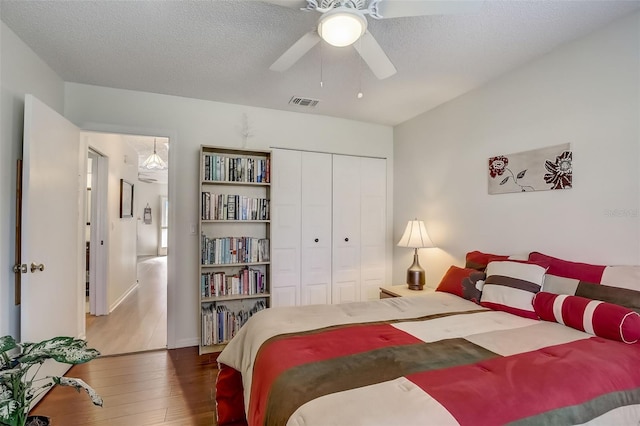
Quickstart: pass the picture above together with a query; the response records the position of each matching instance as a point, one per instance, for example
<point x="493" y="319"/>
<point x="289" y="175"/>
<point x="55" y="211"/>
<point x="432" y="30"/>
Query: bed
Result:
<point x="441" y="358"/>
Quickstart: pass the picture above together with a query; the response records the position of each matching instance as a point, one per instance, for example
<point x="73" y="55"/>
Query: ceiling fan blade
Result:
<point x="374" y="56"/>
<point x="402" y="8"/>
<point x="295" y="52"/>
<point x="293" y="4"/>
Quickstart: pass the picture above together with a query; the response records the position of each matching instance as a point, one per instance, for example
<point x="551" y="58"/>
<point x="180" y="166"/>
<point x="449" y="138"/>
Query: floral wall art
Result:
<point x="537" y="170"/>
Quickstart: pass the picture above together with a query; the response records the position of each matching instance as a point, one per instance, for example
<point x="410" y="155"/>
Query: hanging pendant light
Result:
<point x="154" y="162"/>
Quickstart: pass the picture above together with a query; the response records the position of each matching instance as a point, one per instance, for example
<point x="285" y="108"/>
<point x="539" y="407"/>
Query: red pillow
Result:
<point x="462" y="282"/>
<point x="479" y="260"/>
<point x="592" y="316"/>
<point x="567" y="269"/>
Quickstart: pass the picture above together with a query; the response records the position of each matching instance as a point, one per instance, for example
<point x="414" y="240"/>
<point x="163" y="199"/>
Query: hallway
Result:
<point x="139" y="323"/>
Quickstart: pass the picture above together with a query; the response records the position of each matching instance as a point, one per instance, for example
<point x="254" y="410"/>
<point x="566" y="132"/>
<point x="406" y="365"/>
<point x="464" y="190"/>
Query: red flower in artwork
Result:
<point x="560" y="172"/>
<point x="497" y="165"/>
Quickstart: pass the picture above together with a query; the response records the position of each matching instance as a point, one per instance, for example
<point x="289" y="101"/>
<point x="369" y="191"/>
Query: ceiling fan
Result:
<point x="343" y="22"/>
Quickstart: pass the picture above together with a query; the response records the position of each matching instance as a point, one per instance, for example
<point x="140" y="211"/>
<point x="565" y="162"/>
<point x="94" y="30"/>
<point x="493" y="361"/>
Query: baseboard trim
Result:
<point x="185" y="343"/>
<point x="121" y="298"/>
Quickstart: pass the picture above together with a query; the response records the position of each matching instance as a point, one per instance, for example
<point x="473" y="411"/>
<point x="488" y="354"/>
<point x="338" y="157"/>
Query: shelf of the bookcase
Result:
<point x="234" y="297"/>
<point x="224" y="182"/>
<point x="232" y="265"/>
<point x="212" y="348"/>
<point x="240" y="152"/>
<point x="233" y="221"/>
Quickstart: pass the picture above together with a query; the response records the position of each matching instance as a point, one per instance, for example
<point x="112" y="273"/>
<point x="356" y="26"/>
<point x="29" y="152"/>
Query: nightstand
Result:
<point x="403" y="291"/>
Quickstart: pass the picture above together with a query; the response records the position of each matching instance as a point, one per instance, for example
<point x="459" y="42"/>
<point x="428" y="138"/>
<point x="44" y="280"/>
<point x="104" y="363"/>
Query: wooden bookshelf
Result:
<point x="234" y="243"/>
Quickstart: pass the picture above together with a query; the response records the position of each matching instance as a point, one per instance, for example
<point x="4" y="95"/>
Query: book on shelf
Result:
<point x="225" y="250"/>
<point x="221" y="321"/>
<point x="233" y="207"/>
<point x="223" y="168"/>
<point x="245" y="282"/>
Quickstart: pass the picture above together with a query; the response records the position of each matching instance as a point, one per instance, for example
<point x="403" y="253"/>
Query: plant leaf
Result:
<point x="505" y="180"/>
<point x="8" y="409"/>
<point x="62" y="349"/>
<point x="522" y="173"/>
<point x="79" y="384"/>
<point x="7" y="343"/>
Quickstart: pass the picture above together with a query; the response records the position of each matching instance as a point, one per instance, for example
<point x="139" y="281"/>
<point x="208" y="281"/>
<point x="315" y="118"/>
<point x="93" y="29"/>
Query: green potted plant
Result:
<point x="19" y="364"/>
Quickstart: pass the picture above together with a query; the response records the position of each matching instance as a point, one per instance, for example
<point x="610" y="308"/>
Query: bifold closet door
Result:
<point x="346" y="229"/>
<point x="359" y="228"/>
<point x="285" y="227"/>
<point x="316" y="228"/>
<point x="328" y="235"/>
<point x="373" y="223"/>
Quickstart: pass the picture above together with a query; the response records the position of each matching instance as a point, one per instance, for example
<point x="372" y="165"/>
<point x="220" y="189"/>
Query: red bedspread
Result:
<point x="469" y="367"/>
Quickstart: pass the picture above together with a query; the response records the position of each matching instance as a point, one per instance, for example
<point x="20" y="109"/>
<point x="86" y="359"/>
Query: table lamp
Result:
<point x="415" y="236"/>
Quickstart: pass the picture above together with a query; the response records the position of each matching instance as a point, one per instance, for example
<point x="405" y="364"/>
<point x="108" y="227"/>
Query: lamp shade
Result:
<point x="342" y="26"/>
<point x="415" y="236"/>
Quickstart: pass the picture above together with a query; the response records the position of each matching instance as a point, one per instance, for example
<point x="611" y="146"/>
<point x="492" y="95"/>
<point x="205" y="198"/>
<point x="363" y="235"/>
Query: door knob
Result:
<point x="316" y="240"/>
<point x="36" y="267"/>
<point x="346" y="240"/>
<point x="20" y="268"/>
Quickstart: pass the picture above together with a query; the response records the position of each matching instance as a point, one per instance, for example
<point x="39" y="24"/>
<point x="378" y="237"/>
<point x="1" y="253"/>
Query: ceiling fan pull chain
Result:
<point x="321" y="55"/>
<point x="360" y="94"/>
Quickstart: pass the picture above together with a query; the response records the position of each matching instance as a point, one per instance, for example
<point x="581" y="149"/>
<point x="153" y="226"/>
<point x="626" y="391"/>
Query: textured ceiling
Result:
<point x="221" y="50"/>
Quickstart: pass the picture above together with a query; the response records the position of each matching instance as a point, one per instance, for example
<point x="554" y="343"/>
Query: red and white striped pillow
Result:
<point x="510" y="287"/>
<point x="592" y="316"/>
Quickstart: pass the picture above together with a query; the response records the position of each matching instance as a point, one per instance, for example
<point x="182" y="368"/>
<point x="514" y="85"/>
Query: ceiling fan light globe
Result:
<point x="342" y="28"/>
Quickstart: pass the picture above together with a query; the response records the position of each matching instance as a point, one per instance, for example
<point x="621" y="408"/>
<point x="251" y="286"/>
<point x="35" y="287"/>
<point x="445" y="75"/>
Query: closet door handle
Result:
<point x="316" y="240"/>
<point x="37" y="267"/>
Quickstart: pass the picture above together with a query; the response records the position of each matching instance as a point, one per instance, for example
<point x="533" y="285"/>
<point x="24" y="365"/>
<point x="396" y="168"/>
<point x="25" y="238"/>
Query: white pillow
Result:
<point x="510" y="287"/>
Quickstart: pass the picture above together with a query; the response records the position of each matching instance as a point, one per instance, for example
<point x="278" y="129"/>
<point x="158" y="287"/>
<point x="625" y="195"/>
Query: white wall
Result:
<point x="586" y="93"/>
<point x="121" y="235"/>
<point x="21" y="72"/>
<point x="148" y="235"/>
<point x="191" y="122"/>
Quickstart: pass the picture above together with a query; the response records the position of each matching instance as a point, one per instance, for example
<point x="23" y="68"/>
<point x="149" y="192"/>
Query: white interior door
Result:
<point x="285" y="227"/>
<point x="346" y="229"/>
<point x="98" y="264"/>
<point x="316" y="228"/>
<point x="53" y="181"/>
<point x="373" y="219"/>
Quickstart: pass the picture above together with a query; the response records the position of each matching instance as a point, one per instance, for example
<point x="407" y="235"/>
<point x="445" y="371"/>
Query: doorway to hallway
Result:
<point x="139" y="323"/>
<point x="135" y="291"/>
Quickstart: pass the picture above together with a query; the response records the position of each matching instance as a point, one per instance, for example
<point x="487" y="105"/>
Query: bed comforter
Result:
<point x="434" y="359"/>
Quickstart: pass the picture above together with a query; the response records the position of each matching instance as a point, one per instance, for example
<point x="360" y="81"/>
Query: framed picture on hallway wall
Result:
<point x="126" y="199"/>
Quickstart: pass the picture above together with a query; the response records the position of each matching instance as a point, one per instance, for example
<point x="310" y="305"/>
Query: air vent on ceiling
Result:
<point x="303" y="102"/>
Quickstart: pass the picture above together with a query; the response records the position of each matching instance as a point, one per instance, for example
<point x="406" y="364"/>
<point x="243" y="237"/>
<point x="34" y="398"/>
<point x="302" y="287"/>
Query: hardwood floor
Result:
<point x="167" y="387"/>
<point x="139" y="323"/>
<point x="153" y="387"/>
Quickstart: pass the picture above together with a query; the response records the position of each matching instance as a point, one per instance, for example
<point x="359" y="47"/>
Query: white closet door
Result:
<point x="346" y="229"/>
<point x="316" y="228"/>
<point x="285" y="227"/>
<point x="373" y="199"/>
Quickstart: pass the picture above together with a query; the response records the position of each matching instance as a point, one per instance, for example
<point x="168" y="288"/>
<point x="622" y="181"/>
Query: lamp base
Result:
<point x="415" y="274"/>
